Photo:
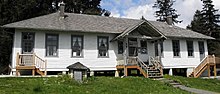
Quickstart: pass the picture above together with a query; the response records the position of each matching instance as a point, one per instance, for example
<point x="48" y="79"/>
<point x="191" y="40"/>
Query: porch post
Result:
<point x="125" y="54"/>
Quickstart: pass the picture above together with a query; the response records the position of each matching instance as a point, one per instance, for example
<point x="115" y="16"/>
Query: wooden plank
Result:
<point x="208" y="70"/>
<point x="24" y="67"/>
<point x="17" y="59"/>
<point x="45" y="71"/>
<point x="33" y="72"/>
<point x="120" y="66"/>
<point x="126" y="71"/>
<point x="33" y="62"/>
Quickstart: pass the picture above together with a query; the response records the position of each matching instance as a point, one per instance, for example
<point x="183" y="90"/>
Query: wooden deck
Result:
<point x="31" y="62"/>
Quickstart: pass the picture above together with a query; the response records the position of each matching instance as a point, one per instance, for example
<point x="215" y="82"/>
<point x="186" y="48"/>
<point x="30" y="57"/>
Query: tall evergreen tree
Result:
<point x="206" y="22"/>
<point x="196" y="24"/>
<point x="210" y="19"/>
<point x="165" y="9"/>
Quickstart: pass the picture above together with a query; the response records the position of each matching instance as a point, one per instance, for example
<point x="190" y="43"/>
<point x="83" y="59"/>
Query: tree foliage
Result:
<point x="206" y="22"/>
<point x="165" y="9"/>
<point x="16" y="10"/>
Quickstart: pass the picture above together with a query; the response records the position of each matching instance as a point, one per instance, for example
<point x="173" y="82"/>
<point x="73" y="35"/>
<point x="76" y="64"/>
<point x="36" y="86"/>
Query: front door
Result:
<point x="201" y="50"/>
<point x="132" y="46"/>
<point x="27" y="42"/>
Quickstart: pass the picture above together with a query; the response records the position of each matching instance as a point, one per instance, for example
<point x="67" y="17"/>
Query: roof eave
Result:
<point x="60" y="30"/>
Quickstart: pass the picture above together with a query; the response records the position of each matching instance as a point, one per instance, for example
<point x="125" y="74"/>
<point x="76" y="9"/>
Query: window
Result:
<point x="120" y="47"/>
<point x="190" y="48"/>
<point x="51" y="45"/>
<point x="77" y="46"/>
<point x="143" y="46"/>
<point x="102" y="46"/>
<point x="201" y="47"/>
<point x="27" y="42"/>
<point x="176" y="48"/>
<point x="156" y="49"/>
<point x="161" y="48"/>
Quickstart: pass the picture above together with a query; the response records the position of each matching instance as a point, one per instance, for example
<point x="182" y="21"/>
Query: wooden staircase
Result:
<point x="208" y="62"/>
<point x="31" y="62"/>
<point x="155" y="70"/>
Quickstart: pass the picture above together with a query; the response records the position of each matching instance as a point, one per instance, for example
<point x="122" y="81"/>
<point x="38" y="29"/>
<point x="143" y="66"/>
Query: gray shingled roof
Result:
<point x="175" y="31"/>
<point x="90" y="23"/>
<point x="77" y="66"/>
<point x="77" y="22"/>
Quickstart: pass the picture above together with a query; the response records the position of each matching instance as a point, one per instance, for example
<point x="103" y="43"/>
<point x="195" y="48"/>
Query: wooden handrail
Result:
<point x="31" y="60"/>
<point x="209" y="59"/>
<point x="142" y="65"/>
<point x="156" y="63"/>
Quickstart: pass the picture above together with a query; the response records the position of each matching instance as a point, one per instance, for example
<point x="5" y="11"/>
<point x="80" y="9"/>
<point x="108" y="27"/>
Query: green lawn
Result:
<point x="199" y="83"/>
<point x="94" y="85"/>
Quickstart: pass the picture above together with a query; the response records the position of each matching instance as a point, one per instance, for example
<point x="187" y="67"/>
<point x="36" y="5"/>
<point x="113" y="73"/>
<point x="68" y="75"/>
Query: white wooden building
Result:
<point x="102" y="43"/>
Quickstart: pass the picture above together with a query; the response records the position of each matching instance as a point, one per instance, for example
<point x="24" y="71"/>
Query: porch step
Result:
<point x="154" y="73"/>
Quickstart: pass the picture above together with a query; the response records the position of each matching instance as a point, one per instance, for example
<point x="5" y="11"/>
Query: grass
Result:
<point x="93" y="85"/>
<point x="199" y="83"/>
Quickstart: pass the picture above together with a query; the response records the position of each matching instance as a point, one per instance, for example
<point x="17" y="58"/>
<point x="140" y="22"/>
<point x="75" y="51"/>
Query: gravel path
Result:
<point x="192" y="90"/>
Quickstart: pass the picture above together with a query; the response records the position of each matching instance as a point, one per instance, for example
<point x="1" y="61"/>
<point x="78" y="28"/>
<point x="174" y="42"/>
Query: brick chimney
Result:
<point x="62" y="7"/>
<point x="169" y="20"/>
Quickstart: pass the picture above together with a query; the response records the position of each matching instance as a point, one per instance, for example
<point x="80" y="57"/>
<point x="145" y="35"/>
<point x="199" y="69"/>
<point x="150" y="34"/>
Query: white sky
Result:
<point x="135" y="9"/>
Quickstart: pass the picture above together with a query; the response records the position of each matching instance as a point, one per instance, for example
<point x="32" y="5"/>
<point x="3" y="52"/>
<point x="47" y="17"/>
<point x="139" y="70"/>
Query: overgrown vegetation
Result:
<point x="199" y="83"/>
<point x="93" y="85"/>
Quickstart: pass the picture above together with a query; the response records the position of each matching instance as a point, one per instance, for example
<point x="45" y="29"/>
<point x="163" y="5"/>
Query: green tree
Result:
<point x="206" y="22"/>
<point x="197" y="23"/>
<point x="165" y="9"/>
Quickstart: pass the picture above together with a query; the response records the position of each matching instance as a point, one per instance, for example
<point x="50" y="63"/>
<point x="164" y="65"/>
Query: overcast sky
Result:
<point x="136" y="8"/>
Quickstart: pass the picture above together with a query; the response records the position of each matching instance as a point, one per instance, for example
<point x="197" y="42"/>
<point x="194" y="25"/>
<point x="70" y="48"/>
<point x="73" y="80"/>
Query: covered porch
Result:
<point x="142" y="49"/>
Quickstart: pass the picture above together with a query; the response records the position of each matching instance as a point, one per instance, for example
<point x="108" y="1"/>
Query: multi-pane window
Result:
<point x="190" y="48"/>
<point x="143" y="46"/>
<point x="120" y="47"/>
<point x="176" y="48"/>
<point x="156" y="49"/>
<point x="103" y="46"/>
<point x="201" y="47"/>
<point x="51" y="45"/>
<point x="77" y="46"/>
<point x="27" y="42"/>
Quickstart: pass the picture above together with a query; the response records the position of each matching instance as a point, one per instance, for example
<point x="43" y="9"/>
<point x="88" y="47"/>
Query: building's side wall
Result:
<point x="64" y="59"/>
<point x="169" y="61"/>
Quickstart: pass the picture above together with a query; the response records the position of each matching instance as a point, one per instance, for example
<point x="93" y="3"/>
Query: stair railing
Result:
<point x="156" y="63"/>
<point x="31" y="60"/>
<point x="207" y="60"/>
<point x="142" y="65"/>
<point x="24" y="60"/>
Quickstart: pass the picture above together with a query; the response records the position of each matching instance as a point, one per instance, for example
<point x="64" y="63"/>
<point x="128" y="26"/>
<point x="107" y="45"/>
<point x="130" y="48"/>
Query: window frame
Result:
<point x="141" y="47"/>
<point x="107" y="52"/>
<point x="24" y="40"/>
<point x="201" y="47"/>
<point x="82" y="46"/>
<point x="161" y="49"/>
<point x="120" y="43"/>
<point x="190" y="48"/>
<point x="57" y="45"/>
<point x="176" y="48"/>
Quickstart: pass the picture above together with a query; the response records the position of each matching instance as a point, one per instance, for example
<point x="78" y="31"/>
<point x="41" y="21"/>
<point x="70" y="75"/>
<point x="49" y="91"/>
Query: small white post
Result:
<point x="171" y="71"/>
